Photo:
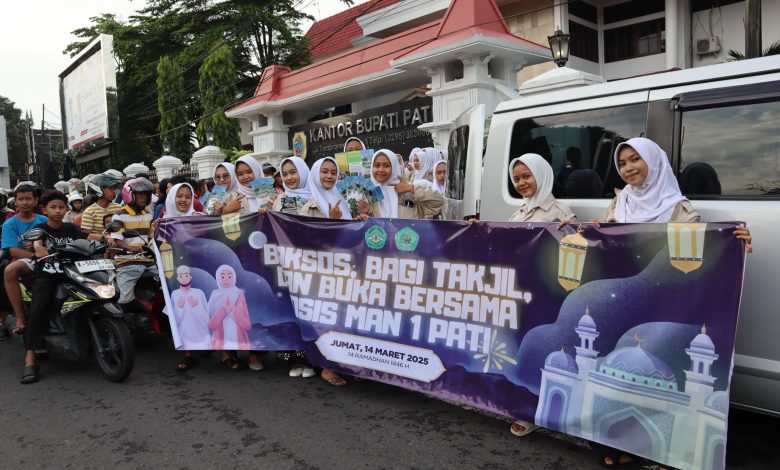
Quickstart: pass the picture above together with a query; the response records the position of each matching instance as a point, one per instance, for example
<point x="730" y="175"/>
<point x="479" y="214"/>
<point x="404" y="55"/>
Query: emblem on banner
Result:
<point x="299" y="145"/>
<point x="406" y="239"/>
<point x="571" y="259"/>
<point x="686" y="245"/>
<point x="231" y="225"/>
<point x="376" y="237"/>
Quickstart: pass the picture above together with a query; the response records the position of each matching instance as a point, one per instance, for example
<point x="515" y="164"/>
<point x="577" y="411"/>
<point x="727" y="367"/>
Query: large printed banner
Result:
<point x="622" y="334"/>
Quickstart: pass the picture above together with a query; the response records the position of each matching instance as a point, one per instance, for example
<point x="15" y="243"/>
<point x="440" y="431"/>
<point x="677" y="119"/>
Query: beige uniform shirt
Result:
<point x="428" y="204"/>
<point x="550" y="210"/>
<point x="683" y="211"/>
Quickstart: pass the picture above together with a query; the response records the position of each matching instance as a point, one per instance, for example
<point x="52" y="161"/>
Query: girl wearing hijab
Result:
<point x="423" y="165"/>
<point x="295" y="180"/>
<point x="402" y="199"/>
<point x="247" y="170"/>
<point x="439" y="176"/>
<point x="225" y="176"/>
<point x="228" y="314"/>
<point x="533" y="179"/>
<point x="353" y="143"/>
<point x="651" y="194"/>
<point x="325" y="201"/>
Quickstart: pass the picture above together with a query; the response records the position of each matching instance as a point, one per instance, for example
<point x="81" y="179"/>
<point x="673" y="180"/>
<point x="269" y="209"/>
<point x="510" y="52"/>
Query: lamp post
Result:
<point x="166" y="147"/>
<point x="559" y="46"/>
<point x="209" y="136"/>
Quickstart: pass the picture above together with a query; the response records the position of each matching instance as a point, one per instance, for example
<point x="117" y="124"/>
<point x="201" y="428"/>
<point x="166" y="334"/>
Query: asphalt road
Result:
<point x="211" y="418"/>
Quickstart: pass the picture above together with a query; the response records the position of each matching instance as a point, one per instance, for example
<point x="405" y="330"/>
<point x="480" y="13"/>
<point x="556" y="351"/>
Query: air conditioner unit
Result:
<point x="708" y="46"/>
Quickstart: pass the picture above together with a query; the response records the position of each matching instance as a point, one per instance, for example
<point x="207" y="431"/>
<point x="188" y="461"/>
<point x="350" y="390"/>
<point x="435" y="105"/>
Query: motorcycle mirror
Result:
<point x="114" y="227"/>
<point x="33" y="235"/>
<point x="131" y="234"/>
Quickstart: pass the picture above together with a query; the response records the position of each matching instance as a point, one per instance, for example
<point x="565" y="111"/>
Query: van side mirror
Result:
<point x="131" y="234"/>
<point x="114" y="227"/>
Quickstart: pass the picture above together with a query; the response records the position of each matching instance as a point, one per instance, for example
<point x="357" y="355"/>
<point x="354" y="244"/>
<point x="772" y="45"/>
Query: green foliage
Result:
<point x="172" y="105"/>
<point x="256" y="33"/>
<point x="773" y="49"/>
<point x="234" y="154"/>
<point x="16" y="127"/>
<point x="218" y="91"/>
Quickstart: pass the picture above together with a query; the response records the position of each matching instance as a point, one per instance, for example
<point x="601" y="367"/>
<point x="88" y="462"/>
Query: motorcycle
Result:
<point x="85" y="318"/>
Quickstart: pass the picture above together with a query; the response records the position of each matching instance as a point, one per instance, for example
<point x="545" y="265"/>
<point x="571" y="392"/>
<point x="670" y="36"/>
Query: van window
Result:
<point x="579" y="146"/>
<point x="457" y="152"/>
<point x="731" y="151"/>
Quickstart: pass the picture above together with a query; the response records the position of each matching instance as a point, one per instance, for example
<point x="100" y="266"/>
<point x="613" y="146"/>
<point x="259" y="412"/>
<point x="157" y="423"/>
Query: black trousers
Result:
<point x="42" y="293"/>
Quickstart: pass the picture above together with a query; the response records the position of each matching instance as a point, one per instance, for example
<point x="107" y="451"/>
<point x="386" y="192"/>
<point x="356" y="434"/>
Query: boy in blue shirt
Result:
<point x="26" y="199"/>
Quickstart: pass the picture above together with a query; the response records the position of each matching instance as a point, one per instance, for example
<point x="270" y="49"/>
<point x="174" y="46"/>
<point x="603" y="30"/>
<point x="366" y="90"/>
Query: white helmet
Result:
<point x="115" y="173"/>
<point x="61" y="186"/>
<point x="74" y="196"/>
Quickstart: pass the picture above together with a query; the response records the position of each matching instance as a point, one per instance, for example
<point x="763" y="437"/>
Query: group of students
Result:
<point x="411" y="190"/>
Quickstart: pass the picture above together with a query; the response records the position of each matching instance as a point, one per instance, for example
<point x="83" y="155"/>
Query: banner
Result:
<point x="622" y="334"/>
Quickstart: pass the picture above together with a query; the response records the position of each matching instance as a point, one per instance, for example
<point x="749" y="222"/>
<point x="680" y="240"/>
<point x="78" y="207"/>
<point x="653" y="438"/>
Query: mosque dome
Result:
<point x="702" y="342"/>
<point x="637" y="365"/>
<point x="561" y="360"/>
<point x="718" y="401"/>
<point x="586" y="322"/>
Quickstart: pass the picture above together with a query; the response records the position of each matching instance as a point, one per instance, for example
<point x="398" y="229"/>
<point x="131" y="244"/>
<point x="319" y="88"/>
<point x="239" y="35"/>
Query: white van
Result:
<point x="720" y="126"/>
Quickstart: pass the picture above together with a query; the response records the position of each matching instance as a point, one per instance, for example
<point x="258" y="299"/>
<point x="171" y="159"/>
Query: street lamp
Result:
<point x="166" y="147"/>
<point x="209" y="136"/>
<point x="559" y="46"/>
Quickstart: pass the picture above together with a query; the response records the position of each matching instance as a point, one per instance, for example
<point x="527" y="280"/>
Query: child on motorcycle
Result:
<point x="55" y="205"/>
<point x="13" y="229"/>
<point x="103" y="187"/>
<point x="136" y="195"/>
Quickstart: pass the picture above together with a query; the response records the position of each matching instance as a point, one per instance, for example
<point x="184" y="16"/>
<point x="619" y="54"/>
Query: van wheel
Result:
<point x="115" y="352"/>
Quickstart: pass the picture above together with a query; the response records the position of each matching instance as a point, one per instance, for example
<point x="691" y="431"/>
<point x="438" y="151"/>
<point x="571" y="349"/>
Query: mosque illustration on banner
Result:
<point x="632" y="399"/>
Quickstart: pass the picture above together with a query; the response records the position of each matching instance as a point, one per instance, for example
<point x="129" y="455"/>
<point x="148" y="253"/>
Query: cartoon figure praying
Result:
<point x="191" y="312"/>
<point x="229" y="317"/>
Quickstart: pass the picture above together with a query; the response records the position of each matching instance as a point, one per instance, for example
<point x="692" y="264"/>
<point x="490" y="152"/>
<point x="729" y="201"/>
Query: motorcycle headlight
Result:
<point x="104" y="291"/>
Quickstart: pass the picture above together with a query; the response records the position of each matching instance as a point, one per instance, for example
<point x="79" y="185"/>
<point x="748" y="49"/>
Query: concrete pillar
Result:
<point x="166" y="165"/>
<point x="206" y="160"/>
<point x="271" y="140"/>
<point x="671" y="34"/>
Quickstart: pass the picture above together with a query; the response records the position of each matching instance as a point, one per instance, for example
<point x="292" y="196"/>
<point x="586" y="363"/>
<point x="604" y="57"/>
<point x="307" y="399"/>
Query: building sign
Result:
<point x="392" y="127"/>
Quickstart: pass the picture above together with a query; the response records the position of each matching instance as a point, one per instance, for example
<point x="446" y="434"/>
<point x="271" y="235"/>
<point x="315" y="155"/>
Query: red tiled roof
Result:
<point x="334" y="34"/>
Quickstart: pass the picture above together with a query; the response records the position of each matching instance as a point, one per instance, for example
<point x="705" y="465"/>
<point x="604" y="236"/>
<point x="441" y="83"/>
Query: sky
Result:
<point x="33" y="34"/>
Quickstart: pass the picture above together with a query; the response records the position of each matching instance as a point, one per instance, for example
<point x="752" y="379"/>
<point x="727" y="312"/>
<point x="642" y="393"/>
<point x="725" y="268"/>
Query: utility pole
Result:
<point x="752" y="29"/>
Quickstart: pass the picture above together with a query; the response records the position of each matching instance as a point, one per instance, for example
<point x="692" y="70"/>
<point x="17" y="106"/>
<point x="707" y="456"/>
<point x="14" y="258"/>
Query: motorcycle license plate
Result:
<point x="94" y="265"/>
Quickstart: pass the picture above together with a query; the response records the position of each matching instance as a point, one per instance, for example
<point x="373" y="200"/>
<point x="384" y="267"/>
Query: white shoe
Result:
<point x="296" y="371"/>
<point x="308" y="372"/>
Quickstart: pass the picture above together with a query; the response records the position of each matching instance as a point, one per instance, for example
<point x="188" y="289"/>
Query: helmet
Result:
<point x="11" y="204"/>
<point x="115" y="173"/>
<point x="98" y="182"/>
<point x="74" y="182"/>
<point x="61" y="186"/>
<point x="74" y="196"/>
<point x="135" y="186"/>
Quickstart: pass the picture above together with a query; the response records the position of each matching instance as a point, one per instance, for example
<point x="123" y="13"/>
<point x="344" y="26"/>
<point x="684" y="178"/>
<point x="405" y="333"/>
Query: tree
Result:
<point x="217" y="90"/>
<point x="16" y="131"/>
<point x="172" y="105"/>
<point x="773" y="49"/>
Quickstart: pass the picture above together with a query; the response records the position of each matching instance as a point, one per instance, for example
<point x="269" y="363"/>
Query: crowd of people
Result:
<point x="412" y="188"/>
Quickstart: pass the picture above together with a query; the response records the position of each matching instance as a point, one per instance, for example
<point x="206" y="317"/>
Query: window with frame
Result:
<point x="580" y="147"/>
<point x="636" y="40"/>
<point x="584" y="42"/>
<point x="731" y="151"/>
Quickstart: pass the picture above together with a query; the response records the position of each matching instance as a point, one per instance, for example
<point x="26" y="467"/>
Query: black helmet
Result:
<point x="98" y="182"/>
<point x="135" y="186"/>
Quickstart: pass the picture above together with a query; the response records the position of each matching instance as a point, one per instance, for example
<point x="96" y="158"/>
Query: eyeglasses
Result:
<point x="225" y="177"/>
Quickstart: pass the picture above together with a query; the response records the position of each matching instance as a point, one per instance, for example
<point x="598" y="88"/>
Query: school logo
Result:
<point x="376" y="237"/>
<point x="299" y="145"/>
<point x="406" y="239"/>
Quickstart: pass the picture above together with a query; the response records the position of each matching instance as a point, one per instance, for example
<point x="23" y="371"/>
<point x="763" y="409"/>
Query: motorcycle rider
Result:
<point x="44" y="284"/>
<point x="13" y="229"/>
<point x="103" y="187"/>
<point x="75" y="202"/>
<point x="136" y="195"/>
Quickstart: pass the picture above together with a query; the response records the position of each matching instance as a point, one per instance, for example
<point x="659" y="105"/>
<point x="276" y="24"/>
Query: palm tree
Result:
<point x="773" y="49"/>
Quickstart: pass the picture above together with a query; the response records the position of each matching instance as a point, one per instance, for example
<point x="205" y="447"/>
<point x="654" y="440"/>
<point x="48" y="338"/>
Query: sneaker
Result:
<point x="4" y="333"/>
<point x="296" y="371"/>
<point x="308" y="372"/>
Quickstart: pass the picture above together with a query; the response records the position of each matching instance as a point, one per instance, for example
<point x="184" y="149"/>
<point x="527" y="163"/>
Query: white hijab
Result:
<point x="249" y="193"/>
<point x="231" y="169"/>
<point x="413" y="153"/>
<point x="302" y="191"/>
<point x="435" y="185"/>
<point x="354" y="138"/>
<point x="388" y="207"/>
<point x="170" y="202"/>
<point x="326" y="198"/>
<point x="543" y="174"/>
<point x="426" y="162"/>
<point x="218" y="295"/>
<point x="655" y="199"/>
